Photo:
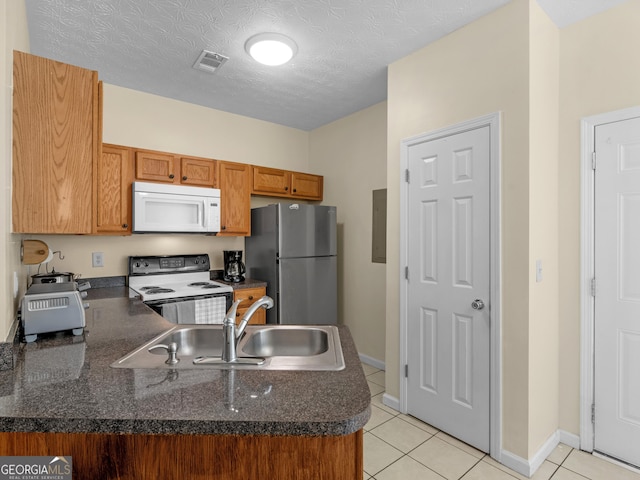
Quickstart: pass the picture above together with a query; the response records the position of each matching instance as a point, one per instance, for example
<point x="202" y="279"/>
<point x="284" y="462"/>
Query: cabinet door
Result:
<point x="155" y="166"/>
<point x="235" y="198"/>
<point x="307" y="186"/>
<point x="55" y="144"/>
<point x="199" y="172"/>
<point x="270" y="181"/>
<point x="248" y="296"/>
<point x="113" y="186"/>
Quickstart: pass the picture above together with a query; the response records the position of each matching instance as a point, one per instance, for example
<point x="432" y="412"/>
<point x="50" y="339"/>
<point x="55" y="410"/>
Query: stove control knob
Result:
<point x="137" y="265"/>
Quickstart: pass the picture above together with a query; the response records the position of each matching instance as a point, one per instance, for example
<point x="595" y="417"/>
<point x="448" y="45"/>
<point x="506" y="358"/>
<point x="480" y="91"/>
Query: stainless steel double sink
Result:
<point x="283" y="347"/>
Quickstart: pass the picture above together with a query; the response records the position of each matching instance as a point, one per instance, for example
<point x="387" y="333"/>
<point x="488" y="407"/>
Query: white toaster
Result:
<point x="52" y="307"/>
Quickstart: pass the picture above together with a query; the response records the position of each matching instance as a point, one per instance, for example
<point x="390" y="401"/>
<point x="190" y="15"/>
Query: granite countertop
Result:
<point x="246" y="283"/>
<point x="63" y="383"/>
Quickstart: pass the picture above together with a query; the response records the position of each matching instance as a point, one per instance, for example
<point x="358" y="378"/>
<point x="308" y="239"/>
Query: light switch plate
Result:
<point x="97" y="259"/>
<point x="538" y="271"/>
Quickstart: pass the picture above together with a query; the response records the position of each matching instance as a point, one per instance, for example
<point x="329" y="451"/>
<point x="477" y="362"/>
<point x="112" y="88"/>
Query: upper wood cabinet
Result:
<point x="198" y="171"/>
<point x="153" y="166"/>
<point x="283" y="183"/>
<point x="56" y="139"/>
<point x="234" y="181"/>
<point x="306" y="186"/>
<point x="114" y="174"/>
<point x="270" y="181"/>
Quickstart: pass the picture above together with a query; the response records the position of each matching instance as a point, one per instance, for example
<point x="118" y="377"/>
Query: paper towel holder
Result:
<point x="35" y="252"/>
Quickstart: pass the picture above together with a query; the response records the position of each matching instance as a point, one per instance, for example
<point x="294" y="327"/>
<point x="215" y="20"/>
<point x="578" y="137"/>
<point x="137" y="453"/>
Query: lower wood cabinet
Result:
<point x="196" y="457"/>
<point x="112" y="207"/>
<point x="248" y="296"/>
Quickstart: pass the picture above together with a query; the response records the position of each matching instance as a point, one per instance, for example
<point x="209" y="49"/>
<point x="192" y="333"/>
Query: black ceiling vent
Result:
<point x="209" y="61"/>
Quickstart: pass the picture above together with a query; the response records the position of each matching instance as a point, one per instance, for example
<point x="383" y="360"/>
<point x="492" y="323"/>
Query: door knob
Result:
<point x="477" y="304"/>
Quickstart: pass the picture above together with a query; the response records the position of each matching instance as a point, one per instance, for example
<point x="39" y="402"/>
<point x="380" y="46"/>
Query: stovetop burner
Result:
<point x="198" y="284"/>
<point x="150" y="287"/>
<point x="211" y="285"/>
<point x="156" y="290"/>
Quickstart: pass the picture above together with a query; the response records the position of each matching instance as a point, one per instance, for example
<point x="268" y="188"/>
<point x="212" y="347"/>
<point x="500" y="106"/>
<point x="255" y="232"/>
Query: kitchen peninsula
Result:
<point x="63" y="398"/>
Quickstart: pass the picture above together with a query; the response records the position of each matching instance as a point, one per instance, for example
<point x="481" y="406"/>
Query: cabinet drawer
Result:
<point x="258" y="318"/>
<point x="248" y="296"/>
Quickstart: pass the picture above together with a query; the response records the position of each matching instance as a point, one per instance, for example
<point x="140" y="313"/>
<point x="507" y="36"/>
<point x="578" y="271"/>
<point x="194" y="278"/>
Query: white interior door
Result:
<point x="617" y="290"/>
<point x="448" y="257"/>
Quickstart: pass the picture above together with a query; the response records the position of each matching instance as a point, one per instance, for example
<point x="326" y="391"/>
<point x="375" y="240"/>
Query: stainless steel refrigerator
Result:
<point x="293" y="247"/>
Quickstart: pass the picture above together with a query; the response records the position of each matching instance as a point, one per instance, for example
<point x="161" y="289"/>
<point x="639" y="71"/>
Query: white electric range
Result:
<point x="179" y="288"/>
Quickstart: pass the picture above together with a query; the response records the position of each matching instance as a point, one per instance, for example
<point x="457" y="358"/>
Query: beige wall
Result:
<point x="544" y="51"/>
<point x="599" y="73"/>
<point x="13" y="35"/>
<point x="351" y="153"/>
<point x="479" y="69"/>
<point x="143" y="120"/>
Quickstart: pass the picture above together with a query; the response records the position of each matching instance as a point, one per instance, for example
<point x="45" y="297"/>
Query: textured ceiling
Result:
<point x="344" y="47"/>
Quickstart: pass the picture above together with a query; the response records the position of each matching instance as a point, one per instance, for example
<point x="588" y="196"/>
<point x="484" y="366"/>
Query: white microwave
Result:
<point x="159" y="208"/>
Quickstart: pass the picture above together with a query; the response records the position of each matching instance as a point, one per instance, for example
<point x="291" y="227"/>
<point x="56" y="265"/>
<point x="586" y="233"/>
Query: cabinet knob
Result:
<point x="250" y="297"/>
<point x="184" y="177"/>
<point x="125" y="225"/>
<point x="286" y="188"/>
<point x="171" y="175"/>
<point x="295" y="190"/>
<point x="223" y="227"/>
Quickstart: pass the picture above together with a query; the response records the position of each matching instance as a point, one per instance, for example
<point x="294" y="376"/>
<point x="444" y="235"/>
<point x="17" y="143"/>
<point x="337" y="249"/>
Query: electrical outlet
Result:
<point x="97" y="259"/>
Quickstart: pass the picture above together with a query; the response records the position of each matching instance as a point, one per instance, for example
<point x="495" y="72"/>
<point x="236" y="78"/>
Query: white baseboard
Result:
<point x="570" y="439"/>
<point x="390" y="401"/>
<point x="374" y="362"/>
<point x="529" y="467"/>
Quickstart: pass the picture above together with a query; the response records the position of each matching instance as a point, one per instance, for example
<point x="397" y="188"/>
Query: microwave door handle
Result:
<point x="203" y="213"/>
<point x="207" y="207"/>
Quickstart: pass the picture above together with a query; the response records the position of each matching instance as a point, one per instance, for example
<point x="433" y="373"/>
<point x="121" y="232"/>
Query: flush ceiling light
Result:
<point x="271" y="48"/>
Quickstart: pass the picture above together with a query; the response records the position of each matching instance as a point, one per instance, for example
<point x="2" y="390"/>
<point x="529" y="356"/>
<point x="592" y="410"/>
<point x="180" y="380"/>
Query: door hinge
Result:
<point x="593" y="160"/>
<point x="406" y="370"/>
<point x="593" y="287"/>
<point x="406" y="176"/>
<point x="406" y="273"/>
<point x="593" y="413"/>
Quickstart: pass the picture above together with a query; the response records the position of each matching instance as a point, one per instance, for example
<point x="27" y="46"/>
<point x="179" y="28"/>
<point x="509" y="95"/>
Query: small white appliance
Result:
<point x="160" y="208"/>
<point x="52" y="307"/>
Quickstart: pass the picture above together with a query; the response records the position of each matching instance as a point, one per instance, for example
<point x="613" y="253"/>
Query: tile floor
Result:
<point x="398" y="446"/>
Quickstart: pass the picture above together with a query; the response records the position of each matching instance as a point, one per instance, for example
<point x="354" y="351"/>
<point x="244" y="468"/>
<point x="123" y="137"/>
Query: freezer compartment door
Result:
<point x="306" y="230"/>
<point x="308" y="291"/>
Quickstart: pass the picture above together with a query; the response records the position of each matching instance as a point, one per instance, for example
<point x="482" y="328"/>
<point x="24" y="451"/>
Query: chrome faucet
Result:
<point x="230" y="335"/>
